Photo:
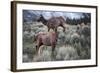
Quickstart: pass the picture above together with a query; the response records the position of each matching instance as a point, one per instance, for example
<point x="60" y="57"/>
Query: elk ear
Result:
<point x="41" y="15"/>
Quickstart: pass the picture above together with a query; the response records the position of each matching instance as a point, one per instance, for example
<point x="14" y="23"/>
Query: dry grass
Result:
<point x="70" y="45"/>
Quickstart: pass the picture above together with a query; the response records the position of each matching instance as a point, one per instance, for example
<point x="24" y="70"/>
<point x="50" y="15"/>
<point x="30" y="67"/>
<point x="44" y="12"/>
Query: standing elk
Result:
<point x="53" y="22"/>
<point x="46" y="38"/>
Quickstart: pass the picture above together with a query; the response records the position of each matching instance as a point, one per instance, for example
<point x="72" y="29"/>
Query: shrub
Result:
<point x="75" y="38"/>
<point x="28" y="54"/>
<point x="66" y="53"/>
<point x="45" y="55"/>
<point x="73" y="44"/>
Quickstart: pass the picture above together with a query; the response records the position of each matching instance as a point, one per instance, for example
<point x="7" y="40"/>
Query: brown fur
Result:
<point x="53" y="22"/>
<point x="46" y="38"/>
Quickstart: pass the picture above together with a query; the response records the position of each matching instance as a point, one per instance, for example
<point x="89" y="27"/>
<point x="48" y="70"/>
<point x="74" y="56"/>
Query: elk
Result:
<point x="47" y="39"/>
<point x="53" y="22"/>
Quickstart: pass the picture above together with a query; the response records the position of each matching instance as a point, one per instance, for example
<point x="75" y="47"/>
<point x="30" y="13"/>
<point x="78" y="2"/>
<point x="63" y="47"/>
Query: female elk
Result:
<point x="46" y="38"/>
<point x="53" y="22"/>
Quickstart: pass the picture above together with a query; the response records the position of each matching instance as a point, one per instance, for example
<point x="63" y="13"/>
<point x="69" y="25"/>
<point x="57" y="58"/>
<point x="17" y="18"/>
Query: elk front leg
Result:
<point x="38" y="46"/>
<point x="53" y="51"/>
<point x="40" y="50"/>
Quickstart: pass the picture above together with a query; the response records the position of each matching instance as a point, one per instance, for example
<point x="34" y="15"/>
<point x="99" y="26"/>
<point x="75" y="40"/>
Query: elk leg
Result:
<point x="38" y="46"/>
<point x="63" y="28"/>
<point x="55" y="29"/>
<point x="53" y="50"/>
<point x="48" y="29"/>
<point x="40" y="50"/>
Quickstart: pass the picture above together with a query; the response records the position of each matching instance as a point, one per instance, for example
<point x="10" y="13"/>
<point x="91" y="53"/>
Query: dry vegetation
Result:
<point x="73" y="44"/>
